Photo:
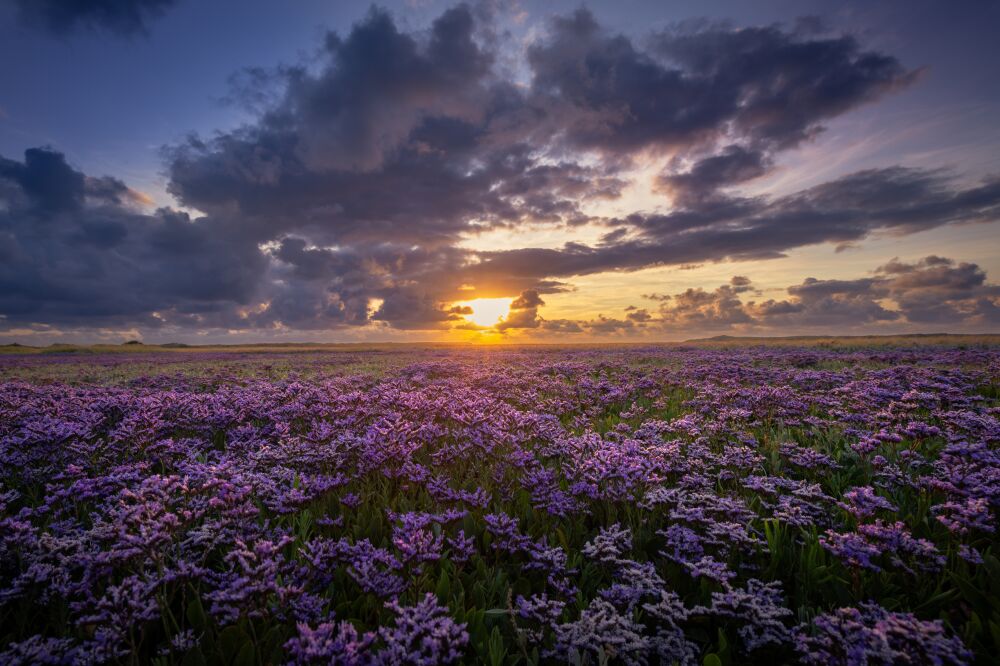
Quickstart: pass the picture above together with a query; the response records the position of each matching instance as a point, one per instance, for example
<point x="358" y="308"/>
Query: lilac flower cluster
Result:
<point x="871" y="635"/>
<point x="872" y="541"/>
<point x="637" y="506"/>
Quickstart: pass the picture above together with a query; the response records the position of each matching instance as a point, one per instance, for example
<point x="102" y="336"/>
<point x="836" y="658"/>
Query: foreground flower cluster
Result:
<point x="635" y="506"/>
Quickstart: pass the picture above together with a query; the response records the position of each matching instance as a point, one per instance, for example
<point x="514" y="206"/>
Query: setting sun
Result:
<point x="487" y="311"/>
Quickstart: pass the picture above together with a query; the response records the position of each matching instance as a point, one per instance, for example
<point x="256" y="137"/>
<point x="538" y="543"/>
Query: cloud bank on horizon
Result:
<point x="354" y="198"/>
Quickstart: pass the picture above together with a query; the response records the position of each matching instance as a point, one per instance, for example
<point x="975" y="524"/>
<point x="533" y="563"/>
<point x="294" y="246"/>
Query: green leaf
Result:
<point x="497" y="651"/>
<point x="196" y="614"/>
<point x="970" y="592"/>
<point x="711" y="659"/>
<point x="443" y="589"/>
<point x="247" y="656"/>
<point x="563" y="539"/>
<point x="723" y="643"/>
<point x="992" y="565"/>
<point x="995" y="633"/>
<point x="271" y="640"/>
<point x="231" y="641"/>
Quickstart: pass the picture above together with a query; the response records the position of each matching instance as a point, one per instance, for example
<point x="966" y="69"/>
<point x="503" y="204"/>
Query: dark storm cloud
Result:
<point x="418" y="137"/>
<point x="776" y="86"/>
<point x="63" y="16"/>
<point x="45" y="180"/>
<point x="316" y="288"/>
<point x="71" y="250"/>
<point x="396" y="137"/>
<point x="732" y="166"/>
<point x="527" y="299"/>
<point x="414" y="309"/>
<point x="345" y="200"/>
<point x="695" y="85"/>
<point x="842" y="303"/>
<point x="896" y="199"/>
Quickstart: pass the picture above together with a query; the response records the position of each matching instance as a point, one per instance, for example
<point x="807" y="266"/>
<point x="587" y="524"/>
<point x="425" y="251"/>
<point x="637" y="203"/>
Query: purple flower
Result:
<point x="610" y="544"/>
<point x="40" y="650"/>
<point x="760" y="609"/>
<point x="330" y="643"/>
<point x="422" y="635"/>
<point x="351" y="500"/>
<point x="602" y="630"/>
<point x="228" y="475"/>
<point x="852" y="548"/>
<point x="964" y="517"/>
<point x="417" y="544"/>
<point x="872" y="635"/>
<point x="461" y="548"/>
<point x="541" y="610"/>
<point x="970" y="554"/>
<point x="181" y="642"/>
<point x="504" y="530"/>
<point x="670" y="643"/>
<point x="862" y="502"/>
<point x="805" y="457"/>
<point x="874" y="540"/>
<point x="683" y="544"/>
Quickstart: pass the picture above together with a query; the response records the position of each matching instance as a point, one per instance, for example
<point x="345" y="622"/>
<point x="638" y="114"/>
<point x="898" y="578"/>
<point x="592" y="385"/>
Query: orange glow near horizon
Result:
<point x="487" y="311"/>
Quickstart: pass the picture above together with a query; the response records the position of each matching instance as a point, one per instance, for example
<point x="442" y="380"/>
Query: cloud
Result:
<point x="846" y="304"/>
<point x="355" y="194"/>
<point x="939" y="291"/>
<point x="895" y="200"/>
<point x="896" y="297"/>
<point x="412" y="309"/>
<point x="608" y="325"/>
<point x="397" y="136"/>
<point x="700" y="310"/>
<point x="523" y="312"/>
<point x="125" y="17"/>
<point x="699" y="83"/>
<point x="561" y="326"/>
<point x="73" y="248"/>
<point x="639" y="315"/>
<point x="732" y="166"/>
<point x="934" y="290"/>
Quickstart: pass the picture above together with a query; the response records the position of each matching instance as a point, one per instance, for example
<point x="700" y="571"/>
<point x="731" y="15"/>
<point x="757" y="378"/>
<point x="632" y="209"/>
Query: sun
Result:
<point x="487" y="311"/>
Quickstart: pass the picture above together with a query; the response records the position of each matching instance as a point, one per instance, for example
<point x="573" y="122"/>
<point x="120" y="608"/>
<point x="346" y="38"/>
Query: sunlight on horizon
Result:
<point x="487" y="311"/>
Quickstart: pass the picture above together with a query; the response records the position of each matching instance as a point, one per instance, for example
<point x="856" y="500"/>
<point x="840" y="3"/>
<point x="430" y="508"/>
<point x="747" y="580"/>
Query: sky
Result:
<point x="496" y="171"/>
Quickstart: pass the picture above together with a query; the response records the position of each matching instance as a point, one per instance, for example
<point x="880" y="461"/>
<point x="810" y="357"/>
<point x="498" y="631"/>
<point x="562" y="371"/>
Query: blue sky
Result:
<point x="117" y="102"/>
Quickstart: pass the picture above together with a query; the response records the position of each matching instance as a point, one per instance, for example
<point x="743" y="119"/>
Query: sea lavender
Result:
<point x="871" y="635"/>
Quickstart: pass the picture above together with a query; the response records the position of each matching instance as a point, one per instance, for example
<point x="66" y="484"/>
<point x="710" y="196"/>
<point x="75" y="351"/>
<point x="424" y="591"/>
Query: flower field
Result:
<point x="501" y="506"/>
